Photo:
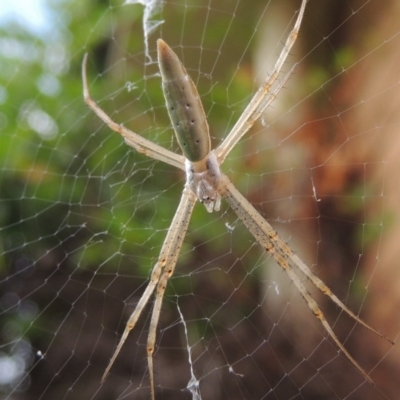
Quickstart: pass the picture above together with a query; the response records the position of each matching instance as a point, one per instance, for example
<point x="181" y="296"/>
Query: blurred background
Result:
<point x="83" y="216"/>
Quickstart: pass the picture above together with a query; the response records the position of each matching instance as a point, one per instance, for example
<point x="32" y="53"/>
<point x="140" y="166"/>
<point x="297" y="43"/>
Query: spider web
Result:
<point x="83" y="216"/>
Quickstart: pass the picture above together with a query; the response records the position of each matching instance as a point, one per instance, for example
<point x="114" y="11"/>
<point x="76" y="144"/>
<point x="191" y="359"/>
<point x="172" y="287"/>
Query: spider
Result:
<point x="206" y="183"/>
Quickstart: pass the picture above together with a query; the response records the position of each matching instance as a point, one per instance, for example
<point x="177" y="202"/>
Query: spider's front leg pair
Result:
<point x="162" y="271"/>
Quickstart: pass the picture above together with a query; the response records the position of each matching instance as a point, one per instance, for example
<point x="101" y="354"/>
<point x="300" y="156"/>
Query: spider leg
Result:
<point x="132" y="139"/>
<point x="162" y="271"/>
<point x="177" y="233"/>
<point x="248" y="118"/>
<point x="325" y="290"/>
<point x="263" y="96"/>
<point x="268" y="238"/>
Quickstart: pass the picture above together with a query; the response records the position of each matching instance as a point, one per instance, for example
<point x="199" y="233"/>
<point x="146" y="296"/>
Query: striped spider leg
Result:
<point x="206" y="183"/>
